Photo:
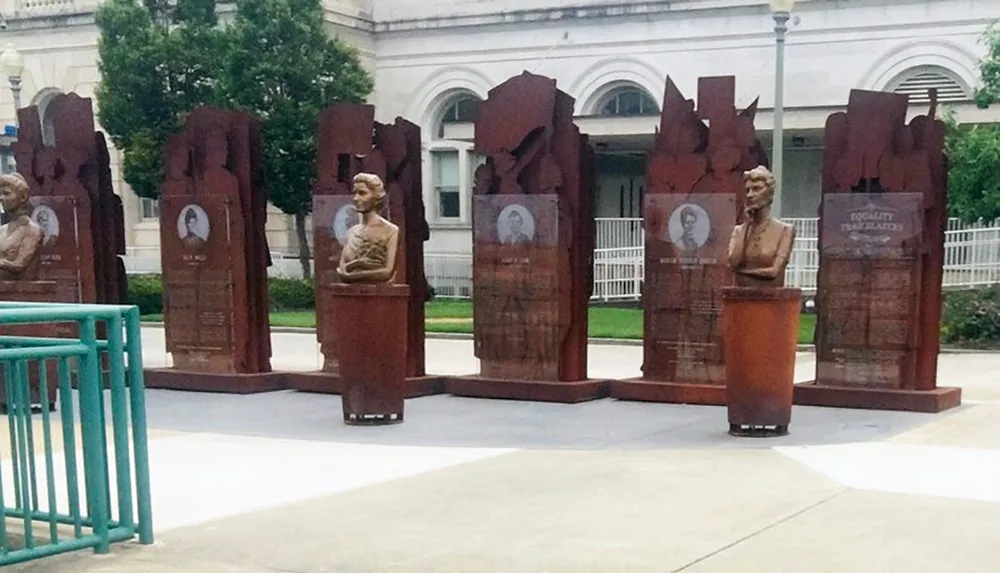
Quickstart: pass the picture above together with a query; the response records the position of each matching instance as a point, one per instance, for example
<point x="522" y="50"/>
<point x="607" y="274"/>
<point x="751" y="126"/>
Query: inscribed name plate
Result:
<point x="872" y="225"/>
<point x="871" y="274"/>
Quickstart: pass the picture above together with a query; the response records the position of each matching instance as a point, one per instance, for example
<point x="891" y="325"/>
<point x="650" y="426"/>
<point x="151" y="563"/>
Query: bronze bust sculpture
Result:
<point x="761" y="245"/>
<point x="369" y="255"/>
<point x="21" y="237"/>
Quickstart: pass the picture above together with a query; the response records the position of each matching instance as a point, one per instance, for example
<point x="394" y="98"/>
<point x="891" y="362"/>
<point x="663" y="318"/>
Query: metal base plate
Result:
<point x="373" y="419"/>
<point x="752" y="431"/>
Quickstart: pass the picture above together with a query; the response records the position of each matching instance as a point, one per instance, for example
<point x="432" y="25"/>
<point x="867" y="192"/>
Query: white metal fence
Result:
<point x="619" y="258"/>
<point x="618" y="272"/>
<point x="614" y="233"/>
<point x="972" y="254"/>
<point x="449" y="275"/>
<point x="972" y="258"/>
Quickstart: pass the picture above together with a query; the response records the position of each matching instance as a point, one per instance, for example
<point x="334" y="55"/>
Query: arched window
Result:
<point x="917" y="83"/>
<point x="461" y="110"/>
<point x="628" y="102"/>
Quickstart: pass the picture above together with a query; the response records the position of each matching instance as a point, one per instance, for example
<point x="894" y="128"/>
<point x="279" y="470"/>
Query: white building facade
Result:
<point x="434" y="59"/>
<point x="613" y="57"/>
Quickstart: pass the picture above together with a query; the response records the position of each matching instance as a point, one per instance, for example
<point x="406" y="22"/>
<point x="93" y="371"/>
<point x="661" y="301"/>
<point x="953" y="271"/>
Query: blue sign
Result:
<point x="10" y="130"/>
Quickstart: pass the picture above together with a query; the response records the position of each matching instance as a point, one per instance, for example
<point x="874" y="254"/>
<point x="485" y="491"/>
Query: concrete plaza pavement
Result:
<point x="275" y="482"/>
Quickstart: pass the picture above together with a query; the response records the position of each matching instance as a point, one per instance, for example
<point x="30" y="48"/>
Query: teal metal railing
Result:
<point x="65" y="484"/>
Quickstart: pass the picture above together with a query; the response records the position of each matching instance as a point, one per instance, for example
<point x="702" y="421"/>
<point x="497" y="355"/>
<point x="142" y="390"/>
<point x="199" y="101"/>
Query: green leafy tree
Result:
<point x="158" y="60"/>
<point x="974" y="174"/>
<point x="989" y="69"/>
<point x="974" y="150"/>
<point x="283" y="66"/>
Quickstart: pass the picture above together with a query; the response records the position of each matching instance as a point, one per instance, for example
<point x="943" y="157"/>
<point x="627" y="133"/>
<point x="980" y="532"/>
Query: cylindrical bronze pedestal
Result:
<point x="760" y="334"/>
<point x="371" y="347"/>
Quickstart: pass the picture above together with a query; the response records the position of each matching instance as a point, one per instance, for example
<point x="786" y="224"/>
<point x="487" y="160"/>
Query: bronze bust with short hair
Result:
<point x="21" y="237"/>
<point x="369" y="255"/>
<point x="761" y="245"/>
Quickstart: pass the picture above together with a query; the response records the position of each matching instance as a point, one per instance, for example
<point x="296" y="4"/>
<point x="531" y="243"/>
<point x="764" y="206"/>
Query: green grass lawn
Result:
<point x="456" y="317"/>
<point x="807" y="325"/>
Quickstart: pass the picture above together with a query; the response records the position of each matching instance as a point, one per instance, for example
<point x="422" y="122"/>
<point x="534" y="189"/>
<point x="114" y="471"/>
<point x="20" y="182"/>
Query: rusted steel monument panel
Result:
<point x="74" y="202"/>
<point x="533" y="244"/>
<point x="215" y="257"/>
<point x="881" y="243"/>
<point x="694" y="198"/>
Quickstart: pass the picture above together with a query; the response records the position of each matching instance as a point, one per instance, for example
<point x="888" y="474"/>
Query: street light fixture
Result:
<point x="12" y="63"/>
<point x="781" y="10"/>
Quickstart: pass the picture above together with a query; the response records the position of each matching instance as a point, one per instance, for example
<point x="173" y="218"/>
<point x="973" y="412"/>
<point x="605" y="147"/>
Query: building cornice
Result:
<point x="85" y="17"/>
<point x="353" y="21"/>
<point x="626" y="46"/>
<point x="365" y="21"/>
<point x="28" y="22"/>
<point x="621" y="9"/>
<point x="584" y="10"/>
<point x="563" y="13"/>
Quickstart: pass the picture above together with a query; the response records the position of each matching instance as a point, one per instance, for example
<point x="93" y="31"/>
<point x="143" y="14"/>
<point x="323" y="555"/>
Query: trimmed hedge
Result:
<point x="291" y="294"/>
<point x="146" y="292"/>
<point x="971" y="317"/>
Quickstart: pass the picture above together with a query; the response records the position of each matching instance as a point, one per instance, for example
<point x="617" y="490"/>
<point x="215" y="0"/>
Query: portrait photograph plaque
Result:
<point x="48" y="221"/>
<point x="516" y="220"/>
<point x="197" y="277"/>
<point x="521" y="312"/>
<point x="64" y="256"/>
<point x="688" y="231"/>
<point x="333" y="216"/>
<point x="687" y="242"/>
<point x="688" y="228"/>
<point x="193" y="226"/>
<point x="515" y="225"/>
<point x="343" y="219"/>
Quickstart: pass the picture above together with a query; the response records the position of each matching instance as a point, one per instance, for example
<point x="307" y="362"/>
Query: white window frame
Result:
<point x="464" y="184"/>
<point x="143" y="202"/>
<point x="615" y="96"/>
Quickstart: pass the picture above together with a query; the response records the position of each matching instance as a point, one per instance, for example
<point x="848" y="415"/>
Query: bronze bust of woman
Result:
<point x="21" y="238"/>
<point x="761" y="245"/>
<point x="369" y="255"/>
